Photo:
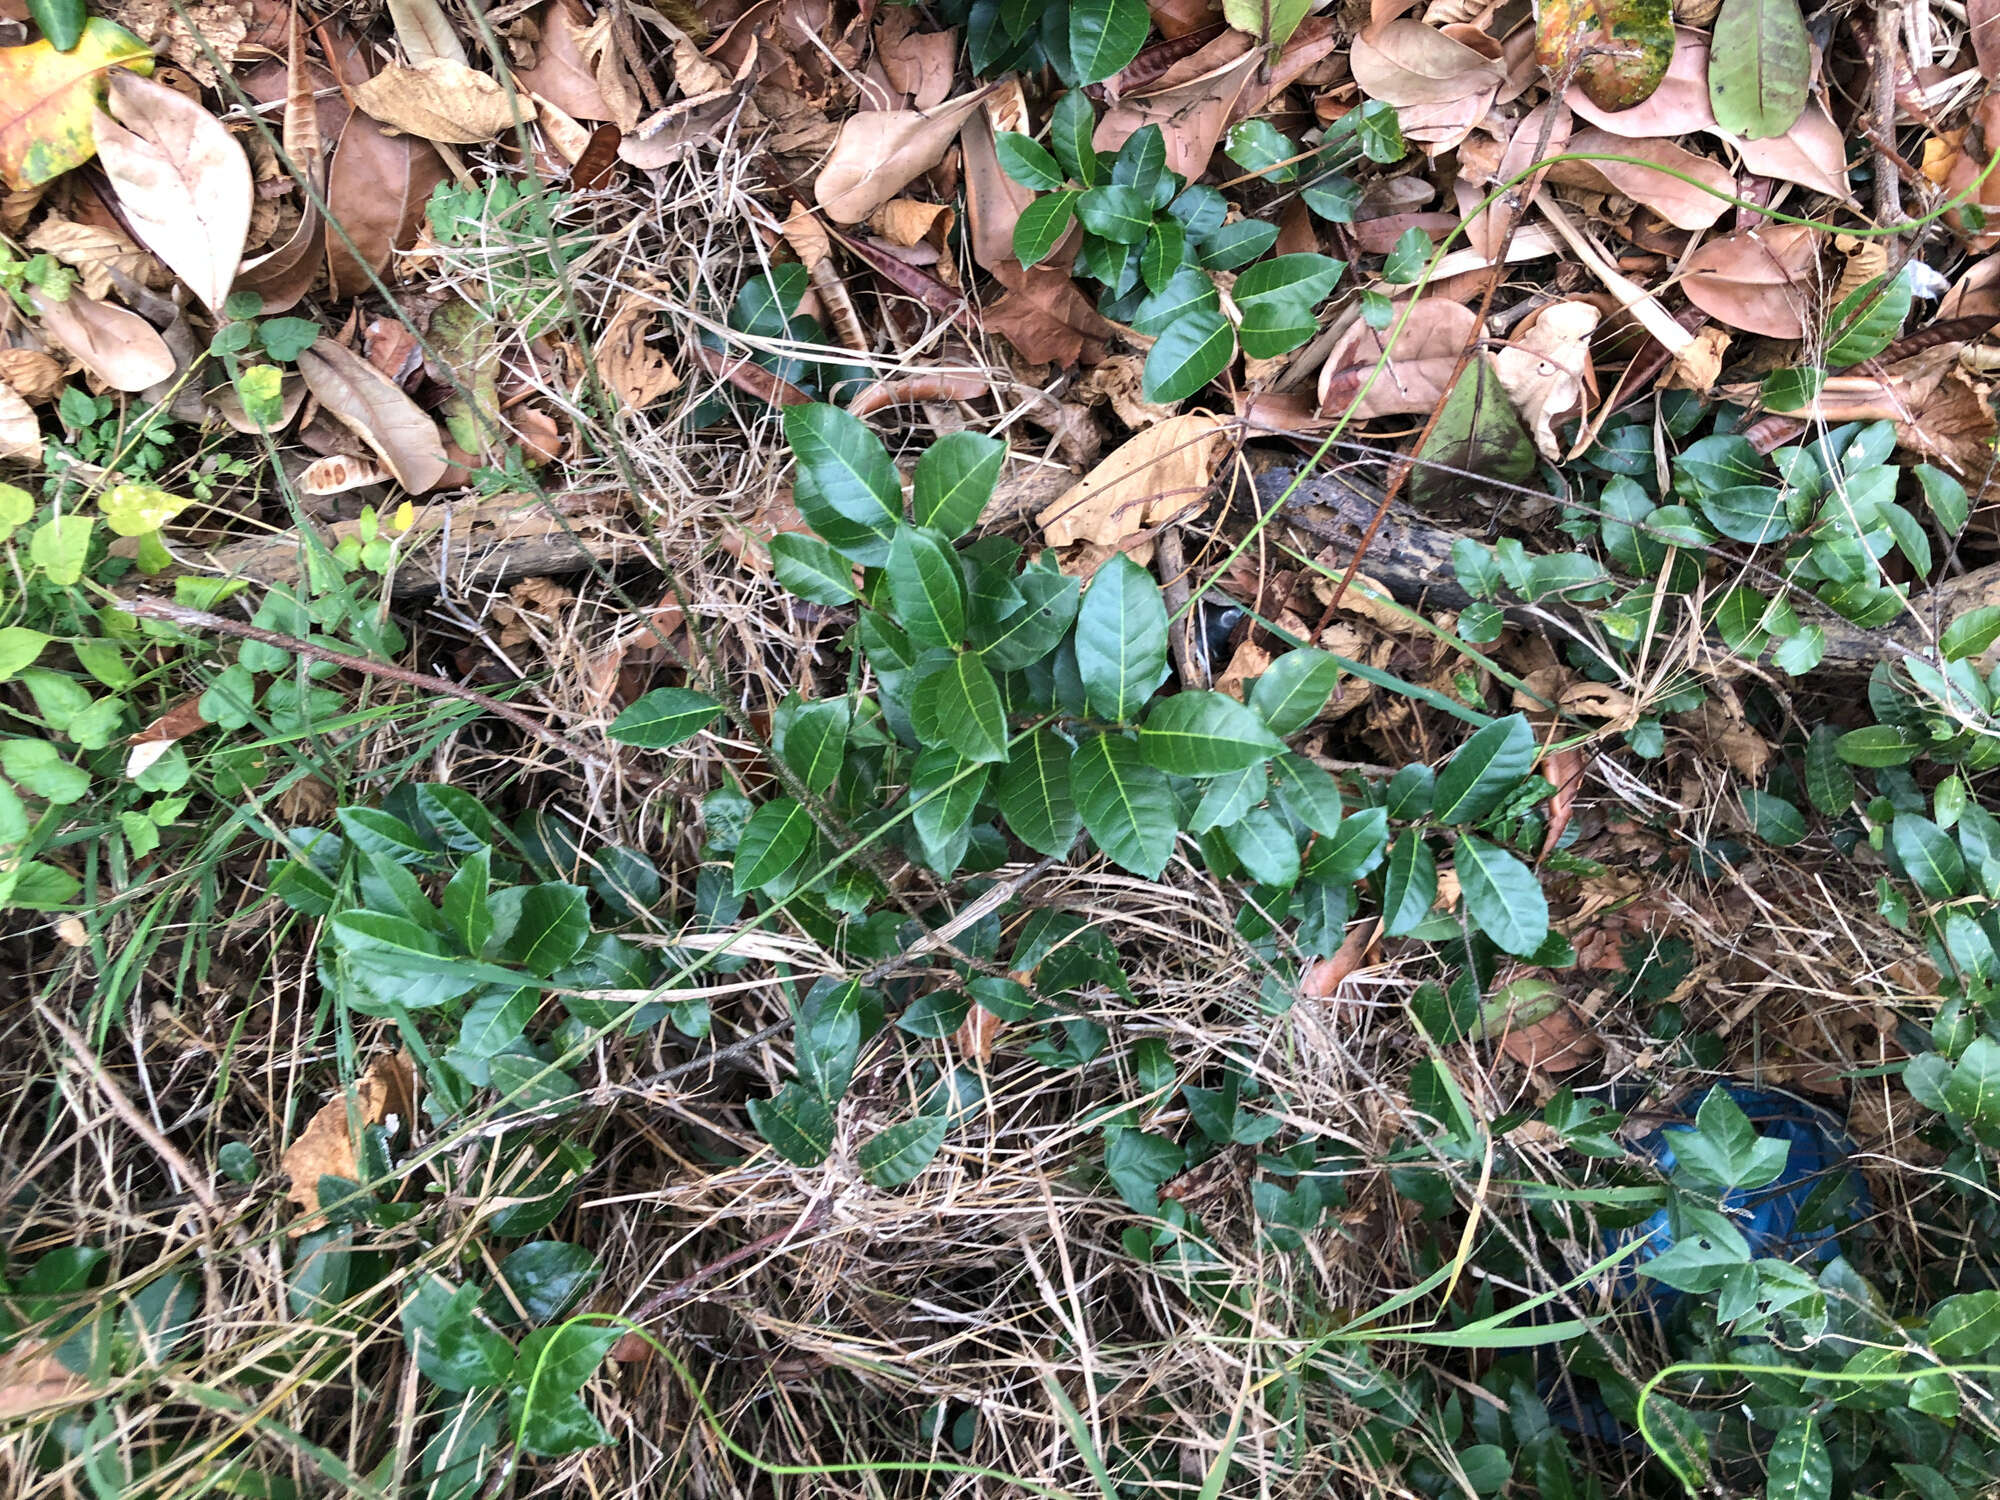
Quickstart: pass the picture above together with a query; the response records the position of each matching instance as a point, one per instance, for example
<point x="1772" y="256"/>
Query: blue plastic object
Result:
<point x="1769" y="1215"/>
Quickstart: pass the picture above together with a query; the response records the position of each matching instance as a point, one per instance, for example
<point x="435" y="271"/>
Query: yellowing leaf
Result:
<point x="17" y="508"/>
<point x="135" y="509"/>
<point x="1282" y="16"/>
<point x="182" y="180"/>
<point x="47" y="99"/>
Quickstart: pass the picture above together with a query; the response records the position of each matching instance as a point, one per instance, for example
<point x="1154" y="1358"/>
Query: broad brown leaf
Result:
<point x="1679" y="105"/>
<point x="1680" y="203"/>
<point x="1408" y="63"/>
<point x="326" y="1147"/>
<point x="1046" y="317"/>
<point x="360" y="398"/>
<point x="993" y="200"/>
<point x="120" y="348"/>
<point x="1758" y="280"/>
<point x="377" y="187"/>
<point x="1546" y="369"/>
<point x="425" y="31"/>
<point x="1425" y="350"/>
<point x="183" y="182"/>
<point x="442" y="100"/>
<point x="1151" y="477"/>
<point x="1192" y="103"/>
<point x="560" y="74"/>
<point x="1813" y="154"/>
<point x="20" y="433"/>
<point x="1983" y="18"/>
<point x="881" y="151"/>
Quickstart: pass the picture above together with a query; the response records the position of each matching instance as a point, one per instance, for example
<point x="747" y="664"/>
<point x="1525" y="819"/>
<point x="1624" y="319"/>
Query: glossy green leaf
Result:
<point x="1027" y="161"/>
<point x="1265" y="846"/>
<point x="1759" y="67"/>
<point x="1186" y="291"/>
<point x="1930" y="856"/>
<point x="1121" y="639"/>
<point x="1867" y="321"/>
<point x="944" y="789"/>
<point x="1258" y="146"/>
<point x="1071" y="124"/>
<point x="811" y="569"/>
<point x="1105" y="35"/>
<point x="1042" y="225"/>
<point x="1165" y="252"/>
<point x="815" y="740"/>
<point x="1829" y="784"/>
<point x="1409" y="883"/>
<point x="1353" y="850"/>
<point x="775" y="841"/>
<point x="957" y="703"/>
<point x="61" y="21"/>
<point x="1309" y="793"/>
<point x="1300" y="277"/>
<point x="547" y="1277"/>
<point x="1772" y="818"/>
<point x="1748" y="513"/>
<point x="844" y="469"/>
<point x="954" y="481"/>
<point x="1034" y="795"/>
<point x="1407" y="258"/>
<point x="1115" y="213"/>
<point x="1236" y="244"/>
<point x="1125" y="803"/>
<point x="1293" y="689"/>
<point x="1205" y="734"/>
<point x="1800" y="1467"/>
<point x="1193" y="351"/>
<point x="1971" y="633"/>
<point x="664" y="717"/>
<point x="1226" y="798"/>
<point x="552" y="924"/>
<point x="1502" y="896"/>
<point x="1024" y="637"/>
<point x="896" y="1155"/>
<point x="796" y="1123"/>
<point x="926" y="588"/>
<point x="1946" y="498"/>
<point x="1478" y="778"/>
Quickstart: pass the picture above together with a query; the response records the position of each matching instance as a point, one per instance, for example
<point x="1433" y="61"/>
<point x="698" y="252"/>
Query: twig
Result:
<point x="1888" y="182"/>
<point x="121" y="1105"/>
<point x="196" y="619"/>
<point x="1172" y="563"/>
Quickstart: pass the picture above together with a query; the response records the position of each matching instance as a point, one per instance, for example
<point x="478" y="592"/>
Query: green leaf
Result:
<point x="59" y="547"/>
<point x="1105" y="35"/>
<point x="1878" y="745"/>
<point x="1141" y="162"/>
<point x="1930" y="856"/>
<point x="954" y="481"/>
<point x="1946" y="498"/>
<point x="1164" y="254"/>
<point x="547" y="1277"/>
<point x="1773" y="819"/>
<point x="1409" y="883"/>
<point x="1966" y="1326"/>
<point x="1723" y="1149"/>
<point x="1478" y="778"/>
<point x="1973" y="1091"/>
<point x="944" y="789"/>
<point x="1380" y="132"/>
<point x="495" y="1021"/>
<point x="37" y="766"/>
<point x="1271" y="21"/>
<point x="61" y="21"/>
<point x="1034" y="795"/>
<point x="1191" y="353"/>
<point x="1759" y="68"/>
<point x="1071" y="124"/>
<point x="796" y="1123"/>
<point x="1121" y="639"/>
<point x="1293" y="689"/>
<point x="899" y="1153"/>
<point x="1801" y="651"/>
<point x="1968" y="635"/>
<point x="1309" y="794"/>
<point x="1258" y="146"/>
<point x="553" y="925"/>
<point x="1478" y="434"/>
<point x="1352" y="850"/>
<point x="1407" y="257"/>
<point x="1187" y="291"/>
<point x="957" y="703"/>
<point x="1300" y="277"/>
<point x="1020" y="639"/>
<point x="1867" y="321"/>
<point x="453" y="1345"/>
<point x="1027" y="161"/>
<point x="815" y="740"/>
<point x="1236" y="244"/>
<point x="1042" y="225"/>
<point x="19" y="646"/>
<point x="844" y="469"/>
<point x="1502" y="896"/>
<point x="1264" y="844"/>
<point x="1125" y="803"/>
<point x="926" y="588"/>
<point x="775" y="841"/>
<point x="811" y="569"/>
<point x="1750" y="513"/>
<point x="664" y="717"/>
<point x="1116" y="213"/>
<point x="1205" y="734"/>
<point x="829" y="1037"/>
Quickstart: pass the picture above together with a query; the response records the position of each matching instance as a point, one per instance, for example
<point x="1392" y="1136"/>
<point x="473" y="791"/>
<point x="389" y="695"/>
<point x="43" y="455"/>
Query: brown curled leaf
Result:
<point x="752" y="380"/>
<point x="908" y="391"/>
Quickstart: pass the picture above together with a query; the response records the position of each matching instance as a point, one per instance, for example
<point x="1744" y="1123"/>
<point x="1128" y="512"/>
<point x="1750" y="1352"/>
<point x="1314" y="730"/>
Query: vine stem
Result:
<point x="167" y="612"/>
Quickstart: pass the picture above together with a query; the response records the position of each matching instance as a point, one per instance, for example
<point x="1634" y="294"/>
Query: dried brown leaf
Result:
<point x="1813" y="154"/>
<point x="1426" y="347"/>
<point x="993" y="200"/>
<point x="637" y="372"/>
<point x="1192" y="111"/>
<point x="1679" y="202"/>
<point x="338" y="472"/>
<point x="882" y="151"/>
<point x="95" y="251"/>
<point x="1982" y="19"/>
<point x="442" y="100"/>
<point x="977" y="1033"/>
<point x="119" y="347"/>
<point x="33" y="1379"/>
<point x="20" y="432"/>
<point x="425" y="31"/>
<point x="1156" y="474"/>
<point x="904" y="221"/>
<point x="360" y="398"/>
<point x="326" y="1147"/>
<point x="182" y="180"/>
<point x="1756" y="280"/>
<point x="1046" y="317"/>
<point x="34" y="376"/>
<point x="561" y="73"/>
<point x="920" y="64"/>
<point x="1408" y="63"/>
<point x="377" y="186"/>
<point x="1546" y="369"/>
